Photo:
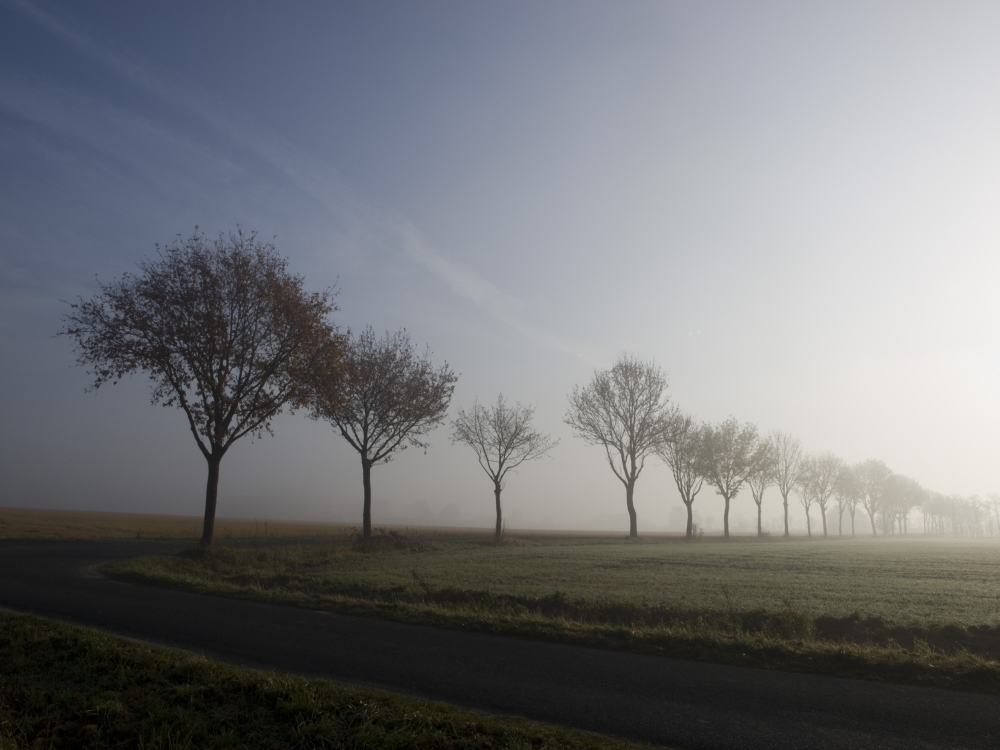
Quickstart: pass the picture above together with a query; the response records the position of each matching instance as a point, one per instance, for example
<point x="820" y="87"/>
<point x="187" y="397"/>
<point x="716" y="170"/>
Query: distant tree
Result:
<point x="681" y="450"/>
<point x="787" y="466"/>
<point x="900" y="495"/>
<point x="994" y="499"/>
<point x="503" y="438"/>
<point x="224" y="332"/>
<point x="731" y="452"/>
<point x="762" y="477"/>
<point x="871" y="475"/>
<point x="625" y="411"/>
<point x="817" y="484"/>
<point x="848" y="494"/>
<point x="804" y="489"/>
<point x="389" y="398"/>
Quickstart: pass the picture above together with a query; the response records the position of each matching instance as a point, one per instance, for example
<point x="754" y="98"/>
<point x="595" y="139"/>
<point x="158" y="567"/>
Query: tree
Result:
<point x="388" y="398"/>
<point x="871" y="476"/>
<point x="624" y="410"/>
<point x="900" y="495"/>
<point x="731" y="452"/>
<point x="222" y="329"/>
<point x="848" y="494"/>
<point x="788" y="465"/>
<point x="503" y="438"/>
<point x="818" y="482"/>
<point x="681" y="450"/>
<point x="762" y="477"/>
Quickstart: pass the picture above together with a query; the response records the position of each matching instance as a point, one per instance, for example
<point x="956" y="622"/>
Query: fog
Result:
<point x="790" y="208"/>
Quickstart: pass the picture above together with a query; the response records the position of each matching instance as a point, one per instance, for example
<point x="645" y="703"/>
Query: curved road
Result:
<point x="687" y="704"/>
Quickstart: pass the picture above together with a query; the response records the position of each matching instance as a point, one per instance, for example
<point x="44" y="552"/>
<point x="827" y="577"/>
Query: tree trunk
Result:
<point x="809" y="528"/>
<point x="785" y="500"/>
<point x="725" y="520"/>
<point x="366" y="471"/>
<point x="760" y="529"/>
<point x="840" y="523"/>
<point x="496" y="493"/>
<point x="690" y="526"/>
<point x="852" y="521"/>
<point x="822" y="511"/>
<point x="871" y="517"/>
<point x="211" y="496"/>
<point x="633" y="529"/>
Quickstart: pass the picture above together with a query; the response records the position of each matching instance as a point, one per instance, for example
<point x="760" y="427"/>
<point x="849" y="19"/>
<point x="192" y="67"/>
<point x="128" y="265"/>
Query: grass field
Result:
<point x="69" y="687"/>
<point x="913" y="610"/>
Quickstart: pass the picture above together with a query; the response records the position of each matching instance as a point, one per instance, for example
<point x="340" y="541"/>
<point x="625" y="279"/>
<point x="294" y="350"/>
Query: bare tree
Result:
<point x="818" y="482"/>
<point x="503" y="438"/>
<point x="788" y="465"/>
<point x="681" y="450"/>
<point x="624" y="410"/>
<point x="389" y="398"/>
<point x="762" y="477"/>
<point x="731" y="452"/>
<point x="871" y="475"/>
<point x="848" y="494"/>
<point x="224" y="332"/>
<point x="900" y="495"/>
<point x="804" y="488"/>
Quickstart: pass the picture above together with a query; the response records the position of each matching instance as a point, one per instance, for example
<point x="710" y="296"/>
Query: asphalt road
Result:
<point x="686" y="704"/>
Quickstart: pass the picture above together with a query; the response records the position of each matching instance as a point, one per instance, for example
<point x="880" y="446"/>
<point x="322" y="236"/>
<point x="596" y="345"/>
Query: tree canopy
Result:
<point x="222" y="329"/>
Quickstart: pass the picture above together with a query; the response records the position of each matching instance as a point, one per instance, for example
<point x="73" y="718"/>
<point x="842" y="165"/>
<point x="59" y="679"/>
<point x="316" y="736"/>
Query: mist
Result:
<point x="790" y="209"/>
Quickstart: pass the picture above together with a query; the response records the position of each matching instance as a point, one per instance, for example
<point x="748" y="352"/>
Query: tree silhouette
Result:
<point x="222" y="329"/>
<point x="388" y="398"/>
<point x="871" y="476"/>
<point x="681" y="451"/>
<point x="503" y="438"/>
<point x="787" y="466"/>
<point x="762" y="477"/>
<point x="731" y="452"/>
<point x="623" y="410"/>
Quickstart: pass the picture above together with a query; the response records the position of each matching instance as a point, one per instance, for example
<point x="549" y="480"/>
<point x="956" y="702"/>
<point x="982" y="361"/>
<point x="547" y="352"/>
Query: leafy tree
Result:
<point x="222" y="329"/>
<point x="503" y="438"/>
<point x="731" y="452"/>
<point x="624" y="410"/>
<point x="871" y="475"/>
<point x="787" y="466"/>
<point x="388" y="398"/>
<point x="681" y="450"/>
<point x="762" y="477"/>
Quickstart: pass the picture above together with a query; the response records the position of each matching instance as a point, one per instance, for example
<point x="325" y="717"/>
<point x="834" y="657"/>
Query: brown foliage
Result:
<point x="221" y="328"/>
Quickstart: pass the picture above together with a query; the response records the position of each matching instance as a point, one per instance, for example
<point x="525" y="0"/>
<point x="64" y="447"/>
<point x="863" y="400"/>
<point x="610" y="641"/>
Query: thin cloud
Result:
<point x="362" y="218"/>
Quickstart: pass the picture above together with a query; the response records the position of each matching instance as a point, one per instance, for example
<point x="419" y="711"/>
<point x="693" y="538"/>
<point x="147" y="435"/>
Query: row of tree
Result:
<point x="626" y="411"/>
<point x="227" y="334"/>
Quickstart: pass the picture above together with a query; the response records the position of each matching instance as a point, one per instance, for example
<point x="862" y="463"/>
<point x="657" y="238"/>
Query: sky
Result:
<point x="790" y="207"/>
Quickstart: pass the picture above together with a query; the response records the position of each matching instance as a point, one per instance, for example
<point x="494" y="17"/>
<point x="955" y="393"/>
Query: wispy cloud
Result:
<point x="361" y="217"/>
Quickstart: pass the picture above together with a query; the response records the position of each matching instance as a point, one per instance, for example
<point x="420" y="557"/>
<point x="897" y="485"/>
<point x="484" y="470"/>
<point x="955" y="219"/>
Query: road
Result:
<point x="651" y="699"/>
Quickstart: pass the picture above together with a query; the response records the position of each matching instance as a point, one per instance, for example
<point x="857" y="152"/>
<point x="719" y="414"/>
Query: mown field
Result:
<point x="69" y="687"/>
<point x="907" y="581"/>
<point x="912" y="610"/>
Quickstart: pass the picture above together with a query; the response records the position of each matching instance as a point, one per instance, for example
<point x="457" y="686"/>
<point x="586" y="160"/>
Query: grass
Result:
<point x="916" y="611"/>
<point x="69" y="687"/>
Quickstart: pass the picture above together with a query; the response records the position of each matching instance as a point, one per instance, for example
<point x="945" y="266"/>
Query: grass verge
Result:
<point x="949" y="655"/>
<point x="69" y="687"/>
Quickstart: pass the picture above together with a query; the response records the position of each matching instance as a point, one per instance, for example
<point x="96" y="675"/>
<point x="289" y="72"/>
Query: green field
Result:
<point x="905" y="581"/>
<point x="69" y="687"/>
<point x="913" y="610"/>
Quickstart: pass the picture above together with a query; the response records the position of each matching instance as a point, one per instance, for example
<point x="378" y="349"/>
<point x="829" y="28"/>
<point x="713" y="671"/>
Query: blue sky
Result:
<point x="791" y="208"/>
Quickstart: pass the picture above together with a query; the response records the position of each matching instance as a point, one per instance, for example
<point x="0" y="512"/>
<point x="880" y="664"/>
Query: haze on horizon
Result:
<point x="791" y="208"/>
